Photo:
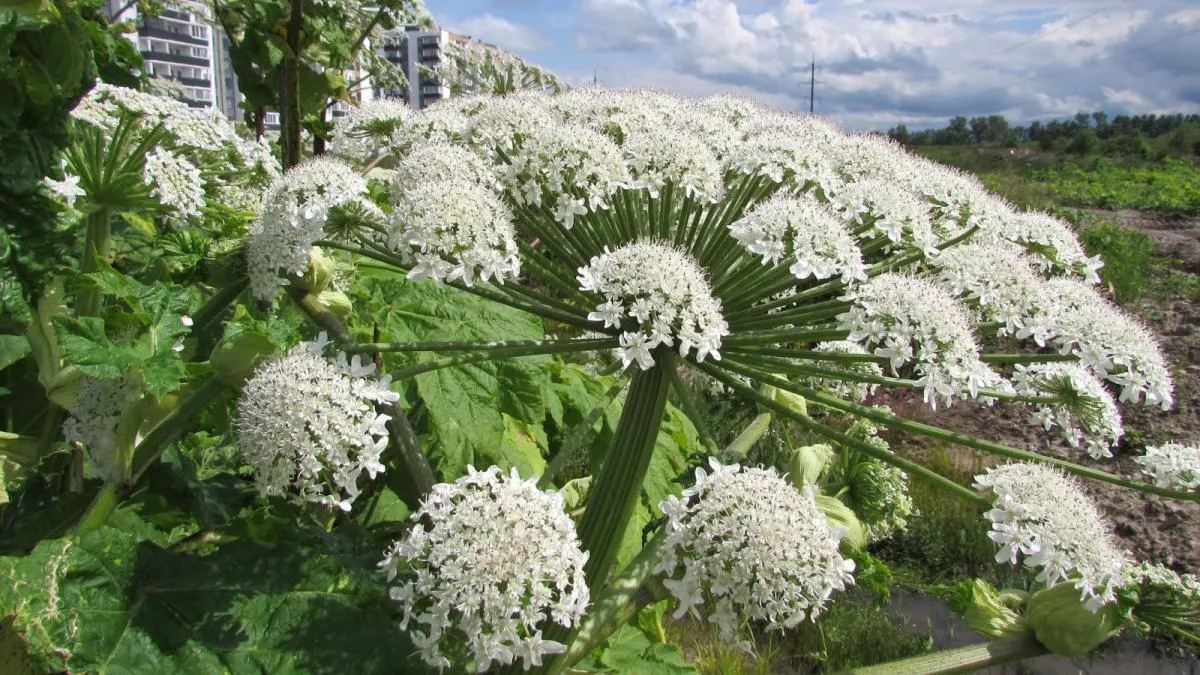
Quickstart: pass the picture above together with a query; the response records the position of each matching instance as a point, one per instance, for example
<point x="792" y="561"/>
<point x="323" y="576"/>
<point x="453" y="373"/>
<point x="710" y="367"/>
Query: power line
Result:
<point x="1043" y="33"/>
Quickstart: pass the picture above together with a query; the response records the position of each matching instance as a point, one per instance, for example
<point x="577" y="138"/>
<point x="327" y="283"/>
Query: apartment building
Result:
<point x="180" y="44"/>
<point x="410" y="48"/>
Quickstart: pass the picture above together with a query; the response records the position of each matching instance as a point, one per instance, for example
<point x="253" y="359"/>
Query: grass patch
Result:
<point x="1127" y="255"/>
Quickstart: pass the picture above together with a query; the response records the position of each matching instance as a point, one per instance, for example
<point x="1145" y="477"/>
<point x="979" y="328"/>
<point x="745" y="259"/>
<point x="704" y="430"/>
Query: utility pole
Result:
<point x="593" y="77"/>
<point x="812" y="85"/>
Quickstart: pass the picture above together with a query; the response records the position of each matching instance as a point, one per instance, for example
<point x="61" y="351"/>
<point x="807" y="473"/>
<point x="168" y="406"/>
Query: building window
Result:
<point x="200" y="52"/>
<point x="200" y="32"/>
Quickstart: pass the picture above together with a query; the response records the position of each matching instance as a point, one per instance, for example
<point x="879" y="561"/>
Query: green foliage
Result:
<point x="1128" y="255"/>
<point x="629" y="651"/>
<point x="1170" y="186"/>
<point x="115" y="599"/>
<point x="45" y="68"/>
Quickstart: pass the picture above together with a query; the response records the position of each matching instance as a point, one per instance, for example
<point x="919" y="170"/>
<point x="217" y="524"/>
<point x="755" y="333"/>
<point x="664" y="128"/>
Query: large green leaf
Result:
<point x="466" y="405"/>
<point x="110" y="601"/>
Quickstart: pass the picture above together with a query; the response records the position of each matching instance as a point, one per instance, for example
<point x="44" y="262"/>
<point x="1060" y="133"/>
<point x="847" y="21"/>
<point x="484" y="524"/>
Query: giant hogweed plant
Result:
<point x="685" y="242"/>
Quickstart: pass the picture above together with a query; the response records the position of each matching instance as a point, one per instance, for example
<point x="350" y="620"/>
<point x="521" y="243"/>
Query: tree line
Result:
<point x="1136" y="136"/>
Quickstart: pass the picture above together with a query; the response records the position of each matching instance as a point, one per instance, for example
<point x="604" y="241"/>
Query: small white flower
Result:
<point x="176" y="183"/>
<point x="491" y="559"/>
<point x="1089" y="416"/>
<point x="67" y="188"/>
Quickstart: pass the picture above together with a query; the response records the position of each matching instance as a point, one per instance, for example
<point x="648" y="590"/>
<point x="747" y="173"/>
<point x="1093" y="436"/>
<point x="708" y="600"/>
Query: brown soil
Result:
<point x="1154" y="529"/>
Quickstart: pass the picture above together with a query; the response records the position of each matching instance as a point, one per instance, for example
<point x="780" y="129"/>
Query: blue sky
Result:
<point x="879" y="61"/>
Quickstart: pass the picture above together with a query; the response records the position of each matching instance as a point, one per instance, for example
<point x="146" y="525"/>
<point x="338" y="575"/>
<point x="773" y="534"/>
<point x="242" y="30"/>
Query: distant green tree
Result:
<point x="1084" y="142"/>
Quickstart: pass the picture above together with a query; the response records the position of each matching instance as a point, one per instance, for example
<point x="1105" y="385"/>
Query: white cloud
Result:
<point x="504" y="33"/>
<point x="897" y="60"/>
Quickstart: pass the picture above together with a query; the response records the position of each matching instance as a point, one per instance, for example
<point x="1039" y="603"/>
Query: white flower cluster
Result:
<point x="1173" y="465"/>
<point x="668" y="156"/>
<point x="846" y="389"/>
<point x="915" y="320"/>
<point x="176" y="183"/>
<point x="452" y="230"/>
<point x="438" y="161"/>
<point x="308" y="426"/>
<point x="473" y="67"/>
<point x="664" y="292"/>
<point x="803" y="231"/>
<point x="1050" y="241"/>
<point x="751" y="547"/>
<point x="1042" y="515"/>
<point x="890" y="211"/>
<point x="1110" y="342"/>
<point x="495" y="558"/>
<point x="1087" y="415"/>
<point x="1185" y="587"/>
<point x="94" y="418"/>
<point x="500" y="124"/>
<point x="295" y="208"/>
<point x="442" y="121"/>
<point x="366" y="130"/>
<point x="568" y="168"/>
<point x="1001" y="279"/>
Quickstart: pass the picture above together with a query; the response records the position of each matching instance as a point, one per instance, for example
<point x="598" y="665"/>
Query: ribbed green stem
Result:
<point x="766" y="337"/>
<point x="913" y="468"/>
<point x="97" y="246"/>
<point x="574" y="438"/>
<point x="546" y="347"/>
<point x="619" y="484"/>
<point x="957" y="438"/>
<point x="619" y="601"/>
<point x="968" y="659"/>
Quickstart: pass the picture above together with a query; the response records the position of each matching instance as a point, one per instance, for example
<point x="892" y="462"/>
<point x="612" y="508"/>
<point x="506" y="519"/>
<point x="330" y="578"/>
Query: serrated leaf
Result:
<point x="84" y="344"/>
<point x="109" y="601"/>
<point x="521" y="447"/>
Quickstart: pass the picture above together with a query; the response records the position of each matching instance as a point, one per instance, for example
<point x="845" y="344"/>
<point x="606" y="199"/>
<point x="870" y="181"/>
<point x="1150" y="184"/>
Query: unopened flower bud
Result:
<point x="991" y="613"/>
<point x="235" y="358"/>
<point x="318" y="274"/>
<point x="1065" y="625"/>
<point x="337" y="302"/>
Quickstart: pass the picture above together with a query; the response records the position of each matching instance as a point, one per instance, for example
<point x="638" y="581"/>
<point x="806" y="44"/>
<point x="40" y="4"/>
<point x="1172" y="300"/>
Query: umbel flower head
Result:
<point x="750" y="547"/>
<point x="1042" y="516"/>
<point x="366" y="130"/>
<point x="662" y="293"/>
<point x="308" y="425"/>
<point x="95" y="415"/>
<point x="495" y="559"/>
<point x="295" y="208"/>
<point x="1174" y="465"/>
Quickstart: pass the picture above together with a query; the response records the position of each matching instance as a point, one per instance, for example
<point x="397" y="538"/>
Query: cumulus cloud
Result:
<point x="504" y="33"/>
<point x="886" y="61"/>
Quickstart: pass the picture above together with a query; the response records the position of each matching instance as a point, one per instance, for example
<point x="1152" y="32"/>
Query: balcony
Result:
<point x="175" y="36"/>
<point x="193" y="82"/>
<point x="175" y="58"/>
<point x="177" y="15"/>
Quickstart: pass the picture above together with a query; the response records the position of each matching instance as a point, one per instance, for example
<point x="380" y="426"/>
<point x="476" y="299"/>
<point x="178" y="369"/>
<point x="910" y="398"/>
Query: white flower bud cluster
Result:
<point x="451" y="230"/>
<point x="750" y="546"/>
<point x="494" y="558"/>
<point x="175" y="183"/>
<point x="846" y="389"/>
<point x="1000" y="277"/>
<point x="878" y="492"/>
<point x="915" y="320"/>
<point x="1110" y="342"/>
<point x="295" y="208"/>
<point x="308" y="426"/>
<point x="1184" y="586"/>
<point x="1173" y="465"/>
<point x="366" y="130"/>
<point x="568" y="168"/>
<point x="665" y="294"/>
<point x="94" y="418"/>
<point x="502" y="123"/>
<point x="803" y="231"/>
<point x="1043" y="517"/>
<point x="780" y="155"/>
<point x="1087" y="415"/>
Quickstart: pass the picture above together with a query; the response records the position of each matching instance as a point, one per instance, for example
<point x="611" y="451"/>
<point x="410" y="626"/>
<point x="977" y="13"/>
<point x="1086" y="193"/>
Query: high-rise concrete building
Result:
<point x="411" y="47"/>
<point x="180" y="44"/>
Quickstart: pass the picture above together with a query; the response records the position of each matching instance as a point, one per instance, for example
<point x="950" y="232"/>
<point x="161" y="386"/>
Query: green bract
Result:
<point x="1061" y="622"/>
